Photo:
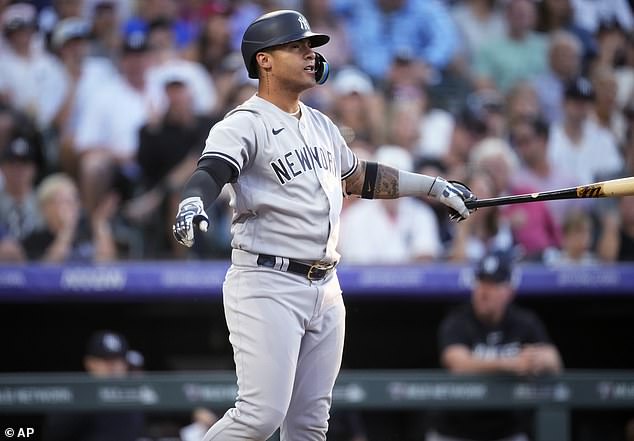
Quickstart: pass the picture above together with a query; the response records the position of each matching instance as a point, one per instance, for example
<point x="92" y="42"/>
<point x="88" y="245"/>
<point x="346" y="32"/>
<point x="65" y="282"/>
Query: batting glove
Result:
<point x="453" y="194"/>
<point x="190" y="213"/>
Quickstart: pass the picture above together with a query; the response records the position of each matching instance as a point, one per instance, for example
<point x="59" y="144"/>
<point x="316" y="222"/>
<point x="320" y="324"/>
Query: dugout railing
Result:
<point x="552" y="397"/>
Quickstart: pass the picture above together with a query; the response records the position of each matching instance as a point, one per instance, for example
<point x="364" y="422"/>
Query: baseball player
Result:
<point x="289" y="169"/>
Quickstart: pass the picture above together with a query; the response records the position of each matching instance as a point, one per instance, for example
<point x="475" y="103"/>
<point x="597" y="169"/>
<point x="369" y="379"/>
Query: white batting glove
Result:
<point x="453" y="195"/>
<point x="191" y="212"/>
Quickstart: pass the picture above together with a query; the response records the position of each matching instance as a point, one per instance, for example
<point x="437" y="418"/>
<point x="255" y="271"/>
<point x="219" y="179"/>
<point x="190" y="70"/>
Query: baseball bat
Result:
<point x="604" y="189"/>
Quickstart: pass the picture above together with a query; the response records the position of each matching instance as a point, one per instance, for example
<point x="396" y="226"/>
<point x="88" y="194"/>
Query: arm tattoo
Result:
<point x="386" y="186"/>
<point x="382" y="183"/>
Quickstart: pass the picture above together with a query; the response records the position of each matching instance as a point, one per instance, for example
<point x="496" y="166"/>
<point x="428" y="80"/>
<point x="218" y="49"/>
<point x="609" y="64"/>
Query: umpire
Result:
<point x="490" y="335"/>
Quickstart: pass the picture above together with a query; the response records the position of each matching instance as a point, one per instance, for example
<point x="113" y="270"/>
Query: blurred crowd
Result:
<point x="105" y="106"/>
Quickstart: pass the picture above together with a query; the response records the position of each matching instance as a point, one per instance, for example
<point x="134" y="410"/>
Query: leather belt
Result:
<point x="316" y="271"/>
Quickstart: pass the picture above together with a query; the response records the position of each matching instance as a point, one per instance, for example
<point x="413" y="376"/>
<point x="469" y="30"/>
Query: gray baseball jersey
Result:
<point x="287" y="197"/>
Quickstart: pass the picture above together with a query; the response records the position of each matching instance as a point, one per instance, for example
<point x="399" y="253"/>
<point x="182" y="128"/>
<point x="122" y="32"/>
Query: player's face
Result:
<point x="100" y="367"/>
<point x="293" y="64"/>
<point x="490" y="299"/>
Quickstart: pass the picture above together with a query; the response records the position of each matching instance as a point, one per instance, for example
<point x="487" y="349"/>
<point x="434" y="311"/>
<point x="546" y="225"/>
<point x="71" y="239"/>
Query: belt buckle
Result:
<point x="318" y="266"/>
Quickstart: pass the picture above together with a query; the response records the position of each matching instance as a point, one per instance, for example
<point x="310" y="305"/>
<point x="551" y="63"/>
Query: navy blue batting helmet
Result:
<point x="281" y="27"/>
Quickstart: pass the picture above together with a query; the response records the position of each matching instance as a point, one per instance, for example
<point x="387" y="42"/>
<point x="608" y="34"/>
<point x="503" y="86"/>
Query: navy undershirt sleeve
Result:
<point x="208" y="179"/>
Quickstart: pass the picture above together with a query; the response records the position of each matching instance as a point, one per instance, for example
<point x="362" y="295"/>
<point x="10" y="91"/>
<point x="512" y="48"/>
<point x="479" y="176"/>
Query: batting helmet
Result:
<point x="277" y="28"/>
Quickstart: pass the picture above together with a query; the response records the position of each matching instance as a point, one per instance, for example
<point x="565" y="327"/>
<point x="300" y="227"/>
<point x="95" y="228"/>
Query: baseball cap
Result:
<point x="175" y="74"/>
<point x="18" y="15"/>
<point x="496" y="266"/>
<point x="69" y="29"/>
<point x="351" y="80"/>
<point x="107" y="345"/>
<point x="135" y="42"/>
<point x="19" y="149"/>
<point x="579" y="89"/>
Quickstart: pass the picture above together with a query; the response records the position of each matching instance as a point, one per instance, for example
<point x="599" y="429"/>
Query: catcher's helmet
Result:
<point x="277" y="28"/>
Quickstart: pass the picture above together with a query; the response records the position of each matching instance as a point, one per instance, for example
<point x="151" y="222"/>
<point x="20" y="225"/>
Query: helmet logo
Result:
<point x="303" y="23"/>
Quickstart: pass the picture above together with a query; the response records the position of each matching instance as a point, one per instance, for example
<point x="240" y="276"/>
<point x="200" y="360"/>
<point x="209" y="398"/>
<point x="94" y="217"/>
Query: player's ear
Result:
<point x="263" y="60"/>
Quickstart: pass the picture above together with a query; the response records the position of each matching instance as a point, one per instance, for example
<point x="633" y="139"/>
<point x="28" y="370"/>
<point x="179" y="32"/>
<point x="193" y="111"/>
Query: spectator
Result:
<point x="19" y="212"/>
<point x="30" y="78"/>
<point x="470" y="127"/>
<point x="577" y="143"/>
<point x="124" y="9"/>
<point x="486" y="230"/>
<point x="522" y="102"/>
<point x="168" y="152"/>
<point x="558" y="15"/>
<point x="17" y="124"/>
<point x="606" y="112"/>
<point x="390" y="231"/>
<point x="564" y="62"/>
<point x="83" y="75"/>
<point x="616" y="241"/>
<point x="107" y="139"/>
<point x="167" y="60"/>
<point x="150" y="11"/>
<point x="495" y="156"/>
<point x="430" y="127"/>
<point x="534" y="228"/>
<point x="404" y="123"/>
<point x="357" y="108"/>
<point x="590" y="14"/>
<point x="532" y="225"/>
<point x="518" y="55"/>
<point x="576" y="245"/>
<point x="611" y="42"/>
<point x="478" y="21"/>
<point x="490" y="107"/>
<point x="529" y="137"/>
<point x="488" y="336"/>
<point x="51" y="15"/>
<point x="423" y="31"/>
<point x="213" y="44"/>
<point x="405" y="77"/>
<point x="625" y="75"/>
<point x="105" y="33"/>
<point x="104" y="359"/>
<point x="66" y="234"/>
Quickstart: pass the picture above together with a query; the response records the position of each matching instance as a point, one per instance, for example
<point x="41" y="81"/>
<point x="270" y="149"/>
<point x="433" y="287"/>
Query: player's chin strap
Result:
<point x="322" y="69"/>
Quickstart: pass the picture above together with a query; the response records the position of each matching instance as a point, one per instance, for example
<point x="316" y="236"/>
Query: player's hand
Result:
<point x="453" y="194"/>
<point x="190" y="213"/>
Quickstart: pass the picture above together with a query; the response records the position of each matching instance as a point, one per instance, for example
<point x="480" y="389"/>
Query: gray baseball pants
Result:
<point x="287" y="335"/>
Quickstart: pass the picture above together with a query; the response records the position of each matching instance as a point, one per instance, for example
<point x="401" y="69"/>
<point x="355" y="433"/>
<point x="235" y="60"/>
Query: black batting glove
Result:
<point x="453" y="194"/>
<point x="191" y="212"/>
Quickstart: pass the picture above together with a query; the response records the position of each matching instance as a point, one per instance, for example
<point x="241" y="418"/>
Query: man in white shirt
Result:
<point x="30" y="79"/>
<point x="108" y="132"/>
<point x="577" y="143"/>
<point x="84" y="76"/>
